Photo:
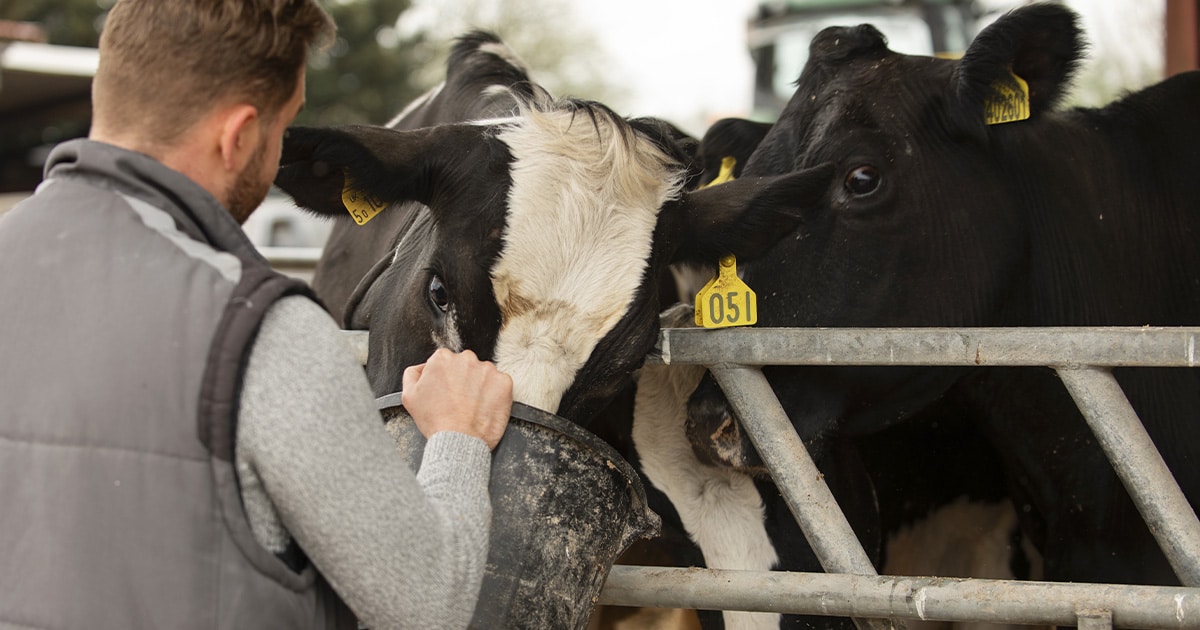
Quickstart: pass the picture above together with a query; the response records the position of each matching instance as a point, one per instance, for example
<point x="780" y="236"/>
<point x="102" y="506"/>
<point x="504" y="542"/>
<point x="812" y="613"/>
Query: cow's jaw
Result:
<point x="582" y="209"/>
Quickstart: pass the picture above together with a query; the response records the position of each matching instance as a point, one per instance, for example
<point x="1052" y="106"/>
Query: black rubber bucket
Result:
<point x="565" y="505"/>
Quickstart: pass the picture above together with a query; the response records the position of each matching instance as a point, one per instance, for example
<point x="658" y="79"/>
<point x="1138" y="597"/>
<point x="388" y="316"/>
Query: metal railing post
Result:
<point x="796" y="475"/>
<point x="926" y="598"/>
<point x="1095" y="620"/>
<point x="1140" y="466"/>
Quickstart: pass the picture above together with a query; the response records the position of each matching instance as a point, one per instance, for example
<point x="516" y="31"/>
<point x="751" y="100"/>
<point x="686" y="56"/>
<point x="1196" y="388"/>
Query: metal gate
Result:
<point x="1082" y="357"/>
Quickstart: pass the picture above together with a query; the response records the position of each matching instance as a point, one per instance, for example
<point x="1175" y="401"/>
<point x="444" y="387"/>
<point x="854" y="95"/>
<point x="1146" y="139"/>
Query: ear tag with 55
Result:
<point x="362" y="207"/>
<point x="1009" y="101"/>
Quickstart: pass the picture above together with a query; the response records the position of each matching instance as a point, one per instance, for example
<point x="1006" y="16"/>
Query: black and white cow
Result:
<point x="483" y="80"/>
<point x="1086" y="217"/>
<point x="532" y="231"/>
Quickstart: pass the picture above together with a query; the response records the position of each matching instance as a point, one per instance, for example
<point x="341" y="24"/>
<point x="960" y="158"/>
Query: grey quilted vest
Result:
<point x="128" y="301"/>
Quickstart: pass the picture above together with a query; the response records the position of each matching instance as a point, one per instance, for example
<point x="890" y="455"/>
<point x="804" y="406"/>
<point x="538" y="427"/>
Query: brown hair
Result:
<point x="164" y="63"/>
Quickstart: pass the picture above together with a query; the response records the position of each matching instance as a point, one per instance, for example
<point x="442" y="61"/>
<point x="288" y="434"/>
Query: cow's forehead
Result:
<point x="879" y="79"/>
<point x="582" y="209"/>
<point x="882" y="90"/>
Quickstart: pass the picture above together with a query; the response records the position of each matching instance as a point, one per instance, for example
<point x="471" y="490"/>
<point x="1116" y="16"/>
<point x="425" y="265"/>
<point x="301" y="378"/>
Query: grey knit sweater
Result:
<point x="316" y="464"/>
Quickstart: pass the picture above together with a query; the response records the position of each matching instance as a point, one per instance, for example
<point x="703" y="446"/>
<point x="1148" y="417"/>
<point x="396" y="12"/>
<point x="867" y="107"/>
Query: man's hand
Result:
<point x="458" y="392"/>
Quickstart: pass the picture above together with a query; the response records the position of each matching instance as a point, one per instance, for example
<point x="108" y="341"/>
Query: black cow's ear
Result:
<point x="735" y="138"/>
<point x="1040" y="43"/>
<point x="318" y="167"/>
<point x="746" y="216"/>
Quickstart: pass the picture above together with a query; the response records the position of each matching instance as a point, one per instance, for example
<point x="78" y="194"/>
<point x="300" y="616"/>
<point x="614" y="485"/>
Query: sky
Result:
<point x="682" y="60"/>
<point x="685" y="61"/>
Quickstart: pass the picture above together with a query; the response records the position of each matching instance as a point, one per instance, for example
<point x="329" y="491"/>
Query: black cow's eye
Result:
<point x="437" y="294"/>
<point x="863" y="180"/>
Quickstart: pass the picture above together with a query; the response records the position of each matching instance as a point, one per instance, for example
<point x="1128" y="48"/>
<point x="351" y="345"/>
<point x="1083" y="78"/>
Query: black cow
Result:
<point x="728" y="138"/>
<point x="1087" y="217"/>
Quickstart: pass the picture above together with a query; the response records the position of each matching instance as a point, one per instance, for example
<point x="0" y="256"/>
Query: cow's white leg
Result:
<point x="721" y="509"/>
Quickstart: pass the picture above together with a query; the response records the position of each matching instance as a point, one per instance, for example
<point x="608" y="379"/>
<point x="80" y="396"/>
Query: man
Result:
<point x="141" y="334"/>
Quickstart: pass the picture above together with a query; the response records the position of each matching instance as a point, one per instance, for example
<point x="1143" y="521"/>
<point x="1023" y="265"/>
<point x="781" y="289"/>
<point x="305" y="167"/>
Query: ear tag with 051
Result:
<point x="725" y="300"/>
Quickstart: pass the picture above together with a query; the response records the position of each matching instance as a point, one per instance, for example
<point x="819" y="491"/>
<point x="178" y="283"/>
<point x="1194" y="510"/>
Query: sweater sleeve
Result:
<point x="316" y="464"/>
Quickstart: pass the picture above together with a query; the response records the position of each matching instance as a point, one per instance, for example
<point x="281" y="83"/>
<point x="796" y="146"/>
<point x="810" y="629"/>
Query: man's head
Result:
<point x="221" y="78"/>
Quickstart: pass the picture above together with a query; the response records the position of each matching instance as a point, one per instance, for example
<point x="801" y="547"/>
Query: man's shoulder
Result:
<point x="297" y="328"/>
<point x="300" y="313"/>
<point x="61" y="195"/>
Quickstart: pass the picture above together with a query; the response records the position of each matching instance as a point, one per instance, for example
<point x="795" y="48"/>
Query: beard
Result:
<point x="250" y="187"/>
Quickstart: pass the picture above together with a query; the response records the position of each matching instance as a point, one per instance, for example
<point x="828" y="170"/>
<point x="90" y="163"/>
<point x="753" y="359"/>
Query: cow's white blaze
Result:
<point x="448" y="336"/>
<point x="719" y="507"/>
<point x="582" y="208"/>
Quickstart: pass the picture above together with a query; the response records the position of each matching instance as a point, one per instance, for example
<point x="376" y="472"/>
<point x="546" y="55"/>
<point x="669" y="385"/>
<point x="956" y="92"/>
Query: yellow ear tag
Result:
<point x="726" y="300"/>
<point x="1009" y="101"/>
<point x="362" y="207"/>
<point x="726" y="172"/>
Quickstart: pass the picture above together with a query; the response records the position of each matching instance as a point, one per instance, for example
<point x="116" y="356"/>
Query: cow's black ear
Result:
<point x="1040" y="43"/>
<point x="746" y="216"/>
<point x="735" y="138"/>
<point x="384" y="165"/>
<point x="312" y="183"/>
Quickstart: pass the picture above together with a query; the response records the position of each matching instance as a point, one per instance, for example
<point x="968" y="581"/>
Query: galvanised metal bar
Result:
<point x="298" y="262"/>
<point x="304" y="258"/>
<point x="802" y="485"/>
<point x="1128" y="447"/>
<point x="928" y="598"/>
<point x="357" y="340"/>
<point x="1141" y="468"/>
<point x="1110" y="347"/>
<point x="1095" y="620"/>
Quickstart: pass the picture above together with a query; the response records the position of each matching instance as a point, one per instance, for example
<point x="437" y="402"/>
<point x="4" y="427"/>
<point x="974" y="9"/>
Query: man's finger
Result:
<point x="412" y="374"/>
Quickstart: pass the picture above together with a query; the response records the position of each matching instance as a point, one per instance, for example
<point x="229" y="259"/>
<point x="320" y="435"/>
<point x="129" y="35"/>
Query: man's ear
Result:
<point x="241" y="135"/>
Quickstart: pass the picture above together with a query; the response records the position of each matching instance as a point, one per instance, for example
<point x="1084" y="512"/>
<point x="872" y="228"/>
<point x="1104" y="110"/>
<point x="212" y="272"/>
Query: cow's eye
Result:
<point x="863" y="180"/>
<point x="437" y="294"/>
